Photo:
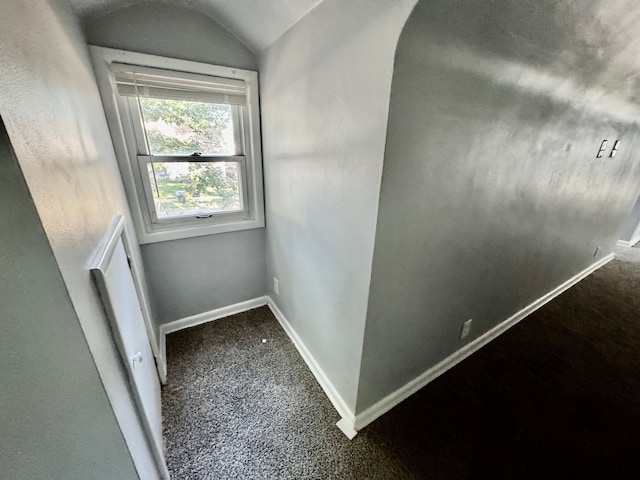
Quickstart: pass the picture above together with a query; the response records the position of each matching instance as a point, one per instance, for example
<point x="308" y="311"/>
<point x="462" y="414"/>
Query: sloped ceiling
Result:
<point x="256" y="23"/>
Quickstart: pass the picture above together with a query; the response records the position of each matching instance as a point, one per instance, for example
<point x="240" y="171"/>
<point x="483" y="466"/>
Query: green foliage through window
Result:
<point x="195" y="187"/>
<point x="177" y="127"/>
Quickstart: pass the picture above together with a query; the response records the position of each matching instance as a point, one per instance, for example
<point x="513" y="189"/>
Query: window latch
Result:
<point x="205" y="215"/>
<point x="196" y="154"/>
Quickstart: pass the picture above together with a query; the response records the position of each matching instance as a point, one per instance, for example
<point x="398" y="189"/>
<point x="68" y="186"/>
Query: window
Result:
<point x="187" y="140"/>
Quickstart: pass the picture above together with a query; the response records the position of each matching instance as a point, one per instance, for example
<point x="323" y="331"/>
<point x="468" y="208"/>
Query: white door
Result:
<point x="113" y="278"/>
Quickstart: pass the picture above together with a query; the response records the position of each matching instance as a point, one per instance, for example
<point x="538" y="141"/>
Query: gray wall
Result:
<point x="491" y="193"/>
<point x="325" y="95"/>
<point x="199" y="274"/>
<point x="52" y="111"/>
<point x="631" y="227"/>
<point x="56" y="419"/>
<point x="169" y="31"/>
<point x="195" y="275"/>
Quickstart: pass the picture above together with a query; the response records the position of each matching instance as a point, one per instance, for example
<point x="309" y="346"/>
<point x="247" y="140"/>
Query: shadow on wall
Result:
<point x="185" y="34"/>
<point x="562" y="38"/>
<point x="492" y="194"/>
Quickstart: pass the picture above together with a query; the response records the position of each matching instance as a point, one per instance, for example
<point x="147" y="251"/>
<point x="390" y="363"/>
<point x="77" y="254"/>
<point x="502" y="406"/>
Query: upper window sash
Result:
<point x="238" y="119"/>
<point x="135" y="81"/>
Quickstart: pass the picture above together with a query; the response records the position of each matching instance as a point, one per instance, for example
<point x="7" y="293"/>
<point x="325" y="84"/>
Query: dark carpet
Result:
<point x="556" y="396"/>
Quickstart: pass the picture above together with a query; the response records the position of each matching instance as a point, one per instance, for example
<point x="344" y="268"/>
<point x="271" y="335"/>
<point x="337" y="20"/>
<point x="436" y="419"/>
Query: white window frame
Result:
<point x="118" y="110"/>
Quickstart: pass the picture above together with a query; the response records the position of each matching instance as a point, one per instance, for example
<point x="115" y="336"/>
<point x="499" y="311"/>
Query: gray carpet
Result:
<point x="557" y="396"/>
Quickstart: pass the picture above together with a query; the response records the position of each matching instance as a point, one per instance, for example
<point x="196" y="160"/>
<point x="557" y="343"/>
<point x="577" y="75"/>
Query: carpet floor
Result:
<point x="556" y="396"/>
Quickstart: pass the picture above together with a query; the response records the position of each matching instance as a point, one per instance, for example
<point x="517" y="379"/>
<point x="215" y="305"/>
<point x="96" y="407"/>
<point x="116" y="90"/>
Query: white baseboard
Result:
<point x="635" y="238"/>
<point x="629" y="244"/>
<point x="381" y="407"/>
<point x="346" y="427"/>
<point x="211" y="315"/>
<point x="199" y="319"/>
<point x="330" y="391"/>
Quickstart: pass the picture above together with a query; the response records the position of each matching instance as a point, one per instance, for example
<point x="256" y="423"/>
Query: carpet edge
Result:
<point x="387" y="403"/>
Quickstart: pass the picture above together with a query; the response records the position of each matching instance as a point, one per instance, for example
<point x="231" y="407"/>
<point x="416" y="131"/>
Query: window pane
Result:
<point x="195" y="188"/>
<point x="176" y="127"/>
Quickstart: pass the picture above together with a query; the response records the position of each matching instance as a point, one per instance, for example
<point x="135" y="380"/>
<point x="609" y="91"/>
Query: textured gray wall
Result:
<point x="52" y="111"/>
<point x="491" y="193"/>
<point x="195" y="275"/>
<point x="257" y="23"/>
<point x="228" y="268"/>
<point x="56" y="420"/>
<point x="169" y="31"/>
<point x="632" y="224"/>
<point x="325" y="95"/>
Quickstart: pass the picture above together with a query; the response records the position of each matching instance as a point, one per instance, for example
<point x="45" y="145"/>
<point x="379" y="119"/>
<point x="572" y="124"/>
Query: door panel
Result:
<point x="115" y="283"/>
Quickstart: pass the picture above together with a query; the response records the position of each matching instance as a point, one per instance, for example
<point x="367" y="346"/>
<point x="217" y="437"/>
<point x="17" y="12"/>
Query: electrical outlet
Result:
<point x="466" y="327"/>
<point x="614" y="150"/>
<point x="276" y="286"/>
<point x="603" y="147"/>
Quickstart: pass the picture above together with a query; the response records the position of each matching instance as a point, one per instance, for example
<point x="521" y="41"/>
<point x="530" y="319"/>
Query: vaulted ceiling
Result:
<point x="256" y="23"/>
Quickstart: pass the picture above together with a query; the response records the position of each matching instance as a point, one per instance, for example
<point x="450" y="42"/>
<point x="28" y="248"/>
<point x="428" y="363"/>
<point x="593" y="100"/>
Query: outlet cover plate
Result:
<point x="466" y="328"/>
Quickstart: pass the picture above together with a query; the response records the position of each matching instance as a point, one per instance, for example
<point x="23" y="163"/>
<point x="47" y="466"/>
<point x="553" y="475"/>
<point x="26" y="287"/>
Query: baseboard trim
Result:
<point x="162" y="356"/>
<point x="211" y="315"/>
<point x="630" y="243"/>
<point x="330" y="391"/>
<point x="346" y="427"/>
<point x="635" y="238"/>
<point x="381" y="407"/>
<point x="199" y="319"/>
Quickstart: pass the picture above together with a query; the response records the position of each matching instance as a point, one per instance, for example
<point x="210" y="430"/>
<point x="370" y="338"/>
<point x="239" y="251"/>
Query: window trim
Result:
<point x="126" y="149"/>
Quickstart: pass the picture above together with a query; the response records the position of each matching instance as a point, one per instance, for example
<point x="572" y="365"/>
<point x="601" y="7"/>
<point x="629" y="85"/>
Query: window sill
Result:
<point x="177" y="232"/>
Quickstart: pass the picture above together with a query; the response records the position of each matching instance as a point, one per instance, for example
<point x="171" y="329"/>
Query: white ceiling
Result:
<point x="256" y="23"/>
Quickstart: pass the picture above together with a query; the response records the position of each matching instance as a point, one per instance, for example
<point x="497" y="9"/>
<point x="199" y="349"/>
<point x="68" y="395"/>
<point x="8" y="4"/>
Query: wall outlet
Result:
<point x="276" y="286"/>
<point x="466" y="327"/>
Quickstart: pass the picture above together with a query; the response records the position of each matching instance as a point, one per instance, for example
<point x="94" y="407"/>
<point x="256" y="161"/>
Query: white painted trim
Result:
<point x="145" y="306"/>
<point x="146" y="414"/>
<point x="162" y="356"/>
<point x="199" y="319"/>
<point x="370" y="414"/>
<point x="338" y="402"/>
<point x="635" y="238"/>
<point x="211" y="315"/>
<point x="630" y="243"/>
<point x="347" y="428"/>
